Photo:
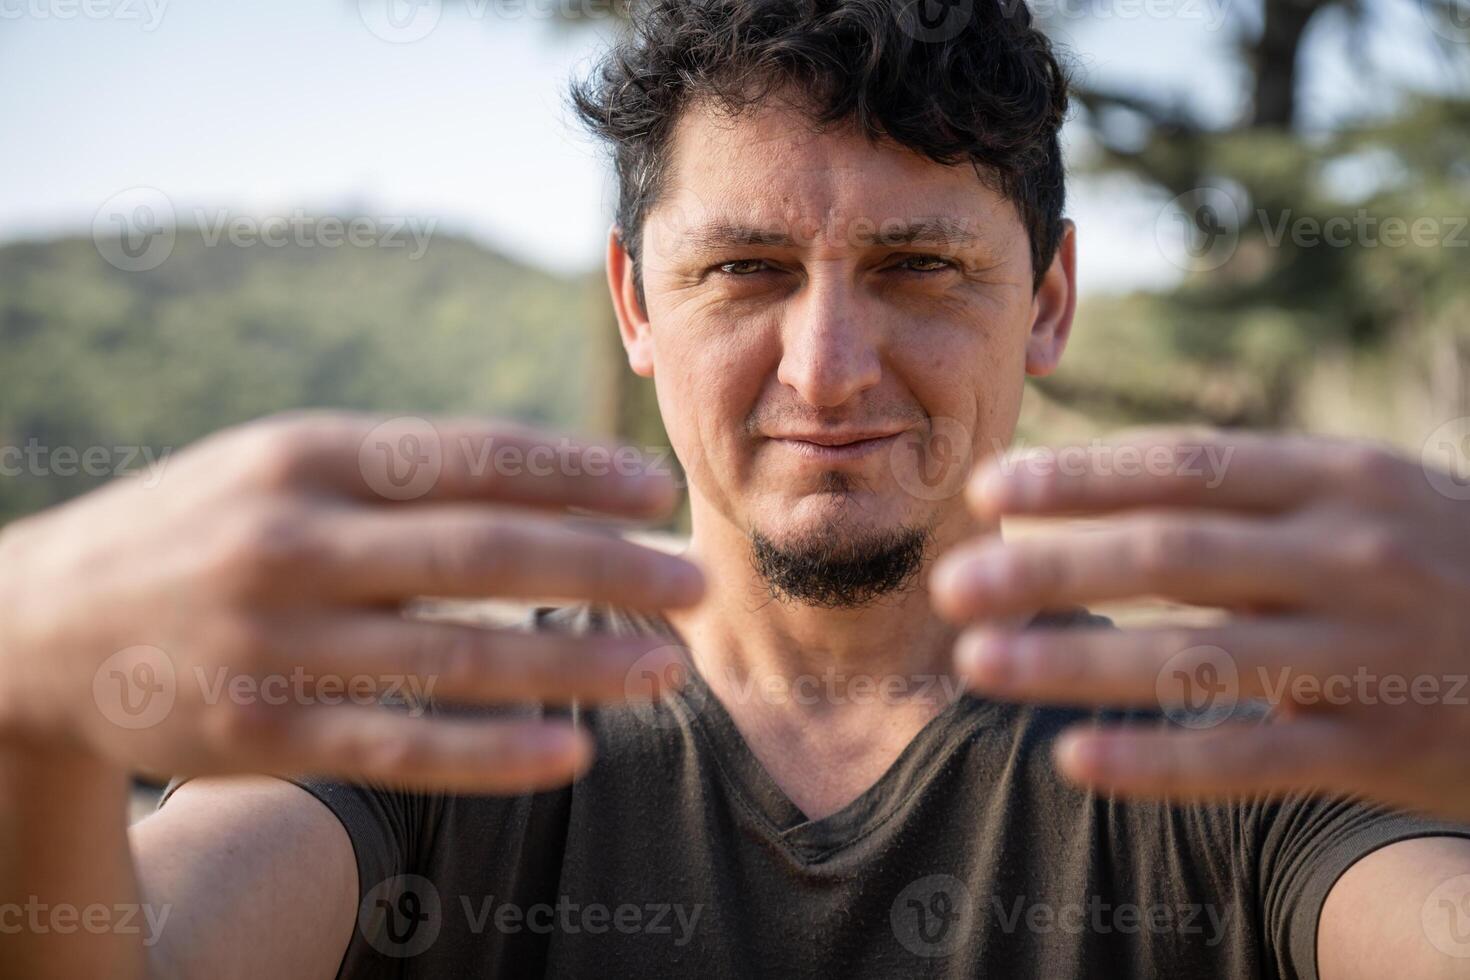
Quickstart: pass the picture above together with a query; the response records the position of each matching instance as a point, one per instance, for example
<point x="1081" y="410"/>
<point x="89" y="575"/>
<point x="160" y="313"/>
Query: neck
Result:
<point x="741" y="636"/>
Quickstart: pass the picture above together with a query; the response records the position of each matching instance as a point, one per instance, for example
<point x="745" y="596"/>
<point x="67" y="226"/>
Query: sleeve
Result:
<point x="385" y="828"/>
<point x="384" y="825"/>
<point x="399" y="837"/>
<point x="390" y="829"/>
<point x="1306" y="844"/>
<point x="381" y="823"/>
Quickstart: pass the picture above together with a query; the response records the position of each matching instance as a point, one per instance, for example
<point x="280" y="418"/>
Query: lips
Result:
<point x="838" y="438"/>
<point x="835" y="446"/>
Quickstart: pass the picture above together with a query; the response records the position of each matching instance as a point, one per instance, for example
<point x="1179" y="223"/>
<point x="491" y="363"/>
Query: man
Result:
<point x="839" y="251"/>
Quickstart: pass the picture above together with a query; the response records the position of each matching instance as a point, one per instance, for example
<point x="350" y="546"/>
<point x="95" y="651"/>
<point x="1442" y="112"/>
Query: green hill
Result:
<point x="91" y="356"/>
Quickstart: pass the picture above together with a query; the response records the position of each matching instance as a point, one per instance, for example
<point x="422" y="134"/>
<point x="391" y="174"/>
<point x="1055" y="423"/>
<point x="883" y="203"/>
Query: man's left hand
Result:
<point x="1344" y="571"/>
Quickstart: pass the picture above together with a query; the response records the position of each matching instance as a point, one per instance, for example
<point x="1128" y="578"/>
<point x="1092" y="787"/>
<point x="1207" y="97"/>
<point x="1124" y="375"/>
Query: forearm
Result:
<point x="70" y="904"/>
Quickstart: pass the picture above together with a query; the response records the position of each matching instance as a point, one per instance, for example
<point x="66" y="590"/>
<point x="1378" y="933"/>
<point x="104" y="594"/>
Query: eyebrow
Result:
<point x="889" y="233"/>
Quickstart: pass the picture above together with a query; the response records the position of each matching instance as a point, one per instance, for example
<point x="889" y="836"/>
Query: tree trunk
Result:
<point x="1273" y="56"/>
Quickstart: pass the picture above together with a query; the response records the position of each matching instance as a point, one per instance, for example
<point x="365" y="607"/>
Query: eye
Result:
<point x="925" y="263"/>
<point x="743" y="267"/>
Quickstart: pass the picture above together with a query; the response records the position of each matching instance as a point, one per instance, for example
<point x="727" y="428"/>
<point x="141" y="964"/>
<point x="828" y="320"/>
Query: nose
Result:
<point x="828" y="353"/>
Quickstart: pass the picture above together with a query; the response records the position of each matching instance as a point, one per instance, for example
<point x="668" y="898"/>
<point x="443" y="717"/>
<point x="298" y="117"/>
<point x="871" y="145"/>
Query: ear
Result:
<point x="632" y="320"/>
<point x="1053" y="306"/>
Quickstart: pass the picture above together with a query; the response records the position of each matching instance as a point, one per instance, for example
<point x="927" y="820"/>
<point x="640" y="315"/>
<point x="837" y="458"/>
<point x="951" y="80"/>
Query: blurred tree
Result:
<point x="1276" y="285"/>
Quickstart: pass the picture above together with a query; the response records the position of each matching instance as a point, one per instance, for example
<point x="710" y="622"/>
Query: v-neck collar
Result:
<point x="813" y="841"/>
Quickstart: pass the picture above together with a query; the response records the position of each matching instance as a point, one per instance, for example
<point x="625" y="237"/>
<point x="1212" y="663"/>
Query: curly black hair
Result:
<point x="954" y="80"/>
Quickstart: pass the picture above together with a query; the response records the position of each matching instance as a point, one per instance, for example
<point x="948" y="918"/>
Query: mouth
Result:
<point x="832" y="447"/>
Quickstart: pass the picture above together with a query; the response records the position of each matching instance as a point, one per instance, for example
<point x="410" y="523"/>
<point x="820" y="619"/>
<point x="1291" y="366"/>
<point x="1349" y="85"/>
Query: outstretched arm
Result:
<point x="245" y="616"/>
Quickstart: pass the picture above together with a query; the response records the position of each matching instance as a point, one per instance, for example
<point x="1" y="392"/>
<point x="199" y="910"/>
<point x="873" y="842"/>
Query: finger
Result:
<point x="381" y="745"/>
<point x="1211" y="560"/>
<point x="1174" y="468"/>
<point x="386" y="653"/>
<point x="410" y="459"/>
<point x="1227" y="760"/>
<point x="461" y="551"/>
<point x="1267" y="658"/>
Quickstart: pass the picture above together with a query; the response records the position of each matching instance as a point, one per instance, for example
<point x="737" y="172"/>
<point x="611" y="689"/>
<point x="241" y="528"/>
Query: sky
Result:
<point x="456" y="113"/>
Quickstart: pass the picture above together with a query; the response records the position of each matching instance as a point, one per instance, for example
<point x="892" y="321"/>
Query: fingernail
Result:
<point x="961" y="585"/>
<point x="991" y="488"/>
<point x="985" y="659"/>
<point x="1082" y="756"/>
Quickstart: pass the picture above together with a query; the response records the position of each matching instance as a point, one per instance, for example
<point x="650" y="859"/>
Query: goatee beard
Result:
<point x="830" y="569"/>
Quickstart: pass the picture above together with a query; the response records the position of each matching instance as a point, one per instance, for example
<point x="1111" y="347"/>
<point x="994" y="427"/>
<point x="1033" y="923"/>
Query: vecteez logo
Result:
<point x="134" y="229"/>
<point x="400" y="21"/>
<point x="135" y="688"/>
<point x="935" y="21"/>
<point x="1198" y="231"/>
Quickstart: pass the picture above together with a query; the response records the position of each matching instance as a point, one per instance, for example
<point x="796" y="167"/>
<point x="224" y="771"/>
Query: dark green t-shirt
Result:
<point x="678" y="856"/>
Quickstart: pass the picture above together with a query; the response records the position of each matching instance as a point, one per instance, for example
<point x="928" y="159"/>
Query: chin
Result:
<point x="839" y="518"/>
<point x="838" y="557"/>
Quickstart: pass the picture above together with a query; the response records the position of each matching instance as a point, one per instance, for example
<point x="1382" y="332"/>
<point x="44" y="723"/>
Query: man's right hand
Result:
<point x="217" y="621"/>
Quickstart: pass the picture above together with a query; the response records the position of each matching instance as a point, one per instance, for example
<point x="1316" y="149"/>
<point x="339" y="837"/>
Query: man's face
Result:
<point x="836" y="329"/>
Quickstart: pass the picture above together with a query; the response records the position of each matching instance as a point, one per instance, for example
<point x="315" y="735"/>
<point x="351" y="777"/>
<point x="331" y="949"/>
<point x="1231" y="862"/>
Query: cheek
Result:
<point x="708" y="379"/>
<point x="969" y="370"/>
<point x="950" y="363"/>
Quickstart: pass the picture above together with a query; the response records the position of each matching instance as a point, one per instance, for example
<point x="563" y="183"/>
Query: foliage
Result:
<point x="94" y="356"/>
